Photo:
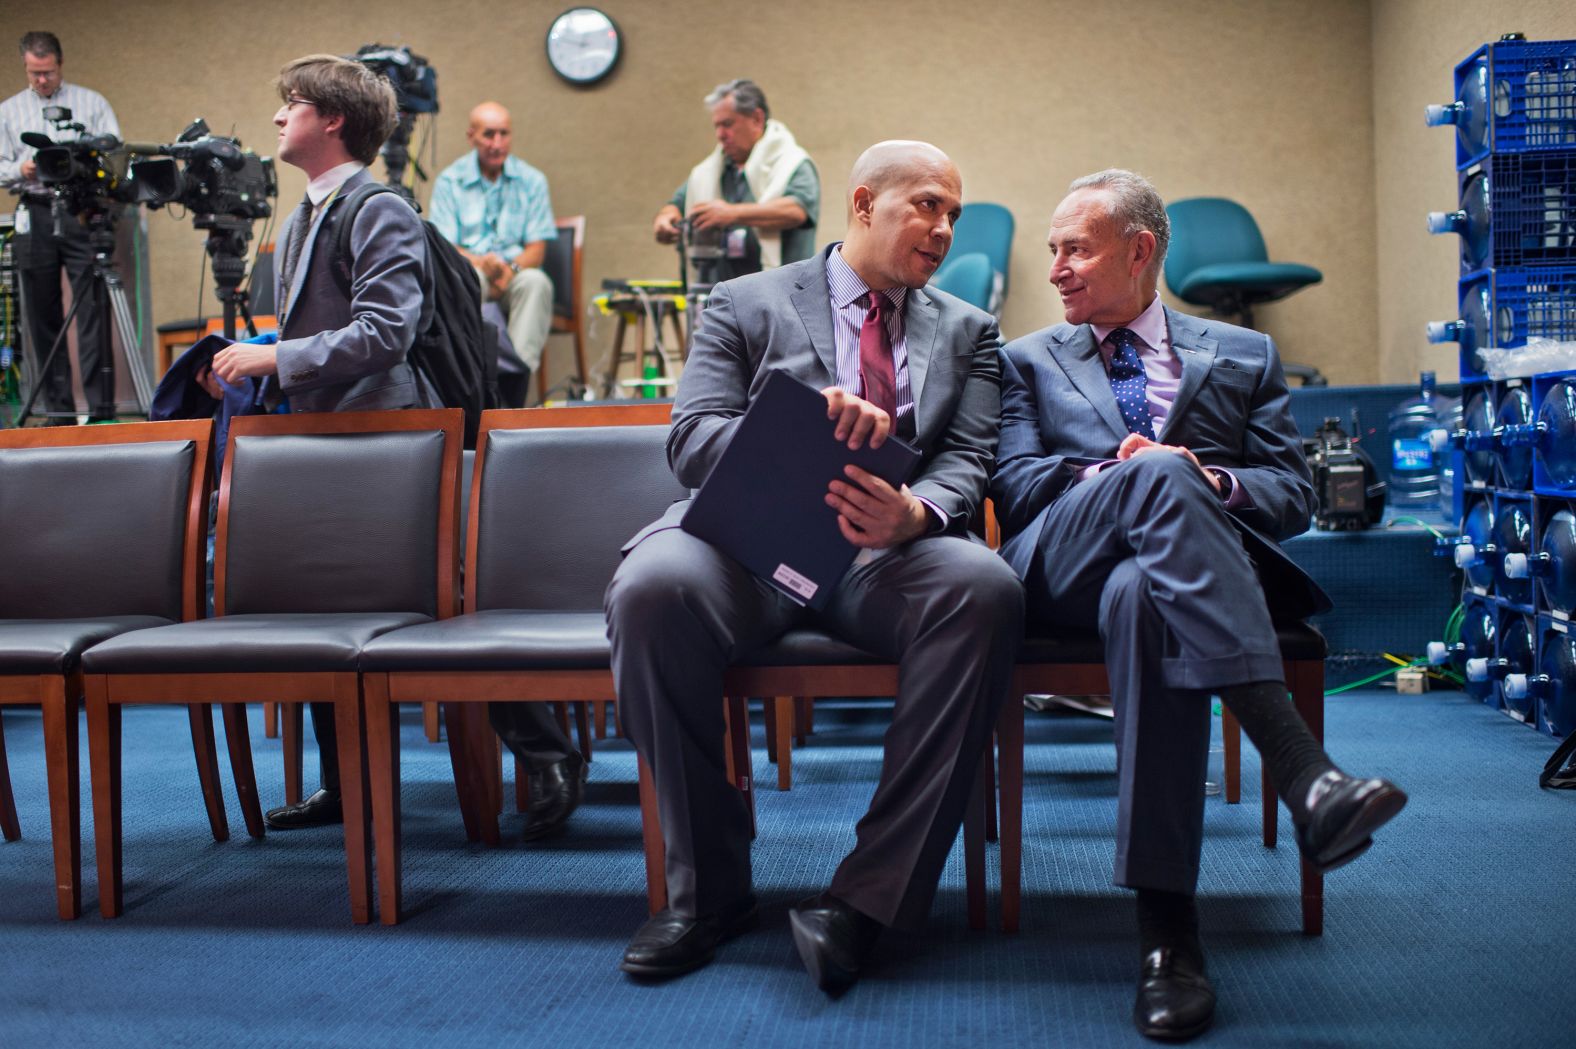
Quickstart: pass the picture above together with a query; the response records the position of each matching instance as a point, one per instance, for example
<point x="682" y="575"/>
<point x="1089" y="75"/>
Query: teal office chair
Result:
<point x="969" y="277"/>
<point x="986" y="228"/>
<point x="1217" y="259"/>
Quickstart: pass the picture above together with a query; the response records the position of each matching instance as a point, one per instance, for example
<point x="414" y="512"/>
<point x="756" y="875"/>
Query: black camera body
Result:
<point x="220" y="180"/>
<point x="414" y="80"/>
<point x="86" y="170"/>
<point x="1346" y="484"/>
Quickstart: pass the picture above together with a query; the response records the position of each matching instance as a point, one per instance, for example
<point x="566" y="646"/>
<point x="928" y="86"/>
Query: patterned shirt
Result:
<point x="499" y="217"/>
<point x="24" y="111"/>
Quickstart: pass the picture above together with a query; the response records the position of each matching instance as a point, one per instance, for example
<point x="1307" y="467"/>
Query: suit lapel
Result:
<point x="814" y="306"/>
<point x="1079" y="357"/>
<point x="304" y="263"/>
<point x="919" y="334"/>
<point x="1196" y="349"/>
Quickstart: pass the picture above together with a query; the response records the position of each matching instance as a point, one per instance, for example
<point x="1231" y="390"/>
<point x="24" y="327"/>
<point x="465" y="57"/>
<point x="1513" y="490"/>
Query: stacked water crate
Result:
<point x="1515" y="120"/>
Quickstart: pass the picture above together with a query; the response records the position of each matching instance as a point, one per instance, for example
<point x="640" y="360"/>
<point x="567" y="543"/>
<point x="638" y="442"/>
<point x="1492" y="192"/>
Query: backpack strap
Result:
<point x="344" y="220"/>
<point x="1555" y="775"/>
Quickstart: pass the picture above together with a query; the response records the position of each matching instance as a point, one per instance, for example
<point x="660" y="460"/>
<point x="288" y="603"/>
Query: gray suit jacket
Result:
<point x="339" y="355"/>
<point x="781" y="320"/>
<point x="1232" y="410"/>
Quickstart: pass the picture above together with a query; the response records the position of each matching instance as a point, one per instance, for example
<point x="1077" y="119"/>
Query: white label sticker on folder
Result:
<point x="799" y="584"/>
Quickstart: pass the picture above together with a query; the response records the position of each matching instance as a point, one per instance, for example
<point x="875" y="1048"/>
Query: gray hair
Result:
<point x="1134" y="204"/>
<point x="746" y="94"/>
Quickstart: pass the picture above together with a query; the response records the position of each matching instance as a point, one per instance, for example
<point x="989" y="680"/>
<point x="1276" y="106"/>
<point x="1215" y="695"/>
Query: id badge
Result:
<point x="738" y="240"/>
<point x="23" y="218"/>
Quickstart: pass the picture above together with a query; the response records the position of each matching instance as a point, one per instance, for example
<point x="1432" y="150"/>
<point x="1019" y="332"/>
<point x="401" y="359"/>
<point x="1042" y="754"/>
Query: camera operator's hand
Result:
<point x="713" y="213"/>
<point x="873" y="514"/>
<point x="666" y="226"/>
<point x="858" y="421"/>
<point x="244" y="360"/>
<point x="1138" y="444"/>
<point x="29" y="169"/>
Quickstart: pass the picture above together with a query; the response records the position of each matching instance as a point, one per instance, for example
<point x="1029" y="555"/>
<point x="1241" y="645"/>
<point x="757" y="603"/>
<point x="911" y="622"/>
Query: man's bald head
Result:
<point x="903" y="199"/>
<point x="897" y="160"/>
<point x="491" y="134"/>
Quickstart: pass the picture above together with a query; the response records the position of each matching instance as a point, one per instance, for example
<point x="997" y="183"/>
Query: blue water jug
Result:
<point x="1556" y="445"/>
<point x="1414" y="468"/>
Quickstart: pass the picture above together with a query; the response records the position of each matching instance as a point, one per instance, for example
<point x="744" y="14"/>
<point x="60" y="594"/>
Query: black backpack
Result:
<point x="454" y="350"/>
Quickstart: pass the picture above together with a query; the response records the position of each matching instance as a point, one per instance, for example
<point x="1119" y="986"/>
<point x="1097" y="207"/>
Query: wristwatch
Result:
<point x="514" y="267"/>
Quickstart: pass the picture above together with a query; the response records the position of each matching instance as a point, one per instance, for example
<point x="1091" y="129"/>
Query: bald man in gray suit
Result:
<point x="889" y="355"/>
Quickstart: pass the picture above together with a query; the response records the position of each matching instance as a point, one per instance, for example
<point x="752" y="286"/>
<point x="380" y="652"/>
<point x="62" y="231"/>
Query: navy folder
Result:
<point x="764" y="503"/>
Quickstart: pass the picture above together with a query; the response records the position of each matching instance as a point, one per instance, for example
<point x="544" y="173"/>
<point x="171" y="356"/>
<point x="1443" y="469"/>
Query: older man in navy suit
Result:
<point x="1147" y="469"/>
<point x="337" y="352"/>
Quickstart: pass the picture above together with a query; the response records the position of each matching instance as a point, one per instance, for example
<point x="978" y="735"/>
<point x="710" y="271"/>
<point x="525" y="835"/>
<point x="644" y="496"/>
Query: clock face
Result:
<point x="583" y="45"/>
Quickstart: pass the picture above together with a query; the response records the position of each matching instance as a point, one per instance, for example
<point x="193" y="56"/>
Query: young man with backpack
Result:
<point x="342" y="346"/>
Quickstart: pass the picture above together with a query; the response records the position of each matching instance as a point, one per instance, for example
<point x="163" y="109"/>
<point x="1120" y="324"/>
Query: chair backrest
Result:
<point x="1206" y="231"/>
<point x="563" y="265"/>
<point x="987" y="228"/>
<point x="970" y="277"/>
<point x="340" y="512"/>
<point x="104" y="520"/>
<point x="559" y="491"/>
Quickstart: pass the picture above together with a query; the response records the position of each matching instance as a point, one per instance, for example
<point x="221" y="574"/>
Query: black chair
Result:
<point x="556" y="494"/>
<point x="103" y="530"/>
<point x="564" y="264"/>
<point x="332" y="529"/>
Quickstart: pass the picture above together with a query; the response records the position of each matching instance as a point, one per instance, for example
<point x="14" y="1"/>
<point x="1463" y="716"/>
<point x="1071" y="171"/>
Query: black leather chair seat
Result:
<point x="813" y="648"/>
<point x="53" y="646"/>
<point x="495" y="639"/>
<point x="253" y="643"/>
<point x="1298" y="641"/>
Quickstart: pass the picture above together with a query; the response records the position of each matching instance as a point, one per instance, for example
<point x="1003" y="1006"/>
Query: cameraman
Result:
<point x="40" y="253"/>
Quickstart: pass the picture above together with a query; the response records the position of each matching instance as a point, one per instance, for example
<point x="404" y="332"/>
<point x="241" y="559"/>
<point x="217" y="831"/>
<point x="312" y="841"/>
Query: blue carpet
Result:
<point x="1453" y="931"/>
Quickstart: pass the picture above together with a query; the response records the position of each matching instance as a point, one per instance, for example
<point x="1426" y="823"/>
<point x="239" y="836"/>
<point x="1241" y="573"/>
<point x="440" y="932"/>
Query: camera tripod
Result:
<point x="102" y="281"/>
<point x="227" y="240"/>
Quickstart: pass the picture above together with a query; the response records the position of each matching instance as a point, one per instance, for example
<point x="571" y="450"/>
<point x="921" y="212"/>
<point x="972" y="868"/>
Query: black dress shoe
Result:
<point x="556" y="791"/>
<point x="319" y="810"/>
<point x="1343" y="813"/>
<point x="1175" y="1001"/>
<point x="833" y="939"/>
<point x="671" y="944"/>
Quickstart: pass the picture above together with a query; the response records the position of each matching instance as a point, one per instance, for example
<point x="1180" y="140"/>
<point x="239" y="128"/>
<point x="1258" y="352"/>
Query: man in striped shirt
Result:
<point x="40" y="253"/>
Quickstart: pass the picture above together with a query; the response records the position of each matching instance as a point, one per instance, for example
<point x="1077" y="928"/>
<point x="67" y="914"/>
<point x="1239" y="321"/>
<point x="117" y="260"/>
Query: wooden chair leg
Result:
<point x="651" y="838"/>
<point x="784" y="718"/>
<point x="104" y="764"/>
<point x="736" y="712"/>
<point x="522" y="787"/>
<point x="1306" y="680"/>
<point x="9" y="827"/>
<point x="382" y="720"/>
<point x="238" y="739"/>
<point x="467" y="784"/>
<point x="1009" y="737"/>
<point x="562" y="712"/>
<point x="974" y="849"/>
<point x="430" y="723"/>
<point x="807" y="719"/>
<point x="988" y="770"/>
<point x="483" y="740"/>
<point x="600" y="710"/>
<point x="1231" y="739"/>
<point x="292" y="730"/>
<point x="270" y="720"/>
<point x="352" y="743"/>
<point x="63" y="766"/>
<point x="769" y="715"/>
<point x="580" y="353"/>
<point x="201" y="717"/>
<point x="583" y="731"/>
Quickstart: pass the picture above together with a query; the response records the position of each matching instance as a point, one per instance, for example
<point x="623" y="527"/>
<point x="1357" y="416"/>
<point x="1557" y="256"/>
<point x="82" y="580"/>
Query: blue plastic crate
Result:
<point x="1515" y="210"/>
<point x="1504" y="308"/>
<point x="1515" y="96"/>
<point x="1551" y="565"/>
<point x="1553" y="436"/>
<point x="1552" y="684"/>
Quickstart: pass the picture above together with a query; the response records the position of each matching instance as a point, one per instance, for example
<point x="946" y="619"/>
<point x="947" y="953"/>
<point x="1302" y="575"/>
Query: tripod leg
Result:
<point x="42" y="375"/>
<point x="125" y="330"/>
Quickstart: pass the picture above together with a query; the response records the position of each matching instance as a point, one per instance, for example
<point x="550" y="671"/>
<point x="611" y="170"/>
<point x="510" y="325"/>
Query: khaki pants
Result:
<point x="528" y="303"/>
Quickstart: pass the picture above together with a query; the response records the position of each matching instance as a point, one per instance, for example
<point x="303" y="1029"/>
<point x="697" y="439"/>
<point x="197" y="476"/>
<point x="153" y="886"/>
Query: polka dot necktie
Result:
<point x="1127" y="382"/>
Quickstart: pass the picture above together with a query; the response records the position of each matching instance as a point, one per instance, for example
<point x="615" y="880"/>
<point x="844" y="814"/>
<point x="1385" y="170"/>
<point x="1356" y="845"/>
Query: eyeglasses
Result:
<point x="293" y="101"/>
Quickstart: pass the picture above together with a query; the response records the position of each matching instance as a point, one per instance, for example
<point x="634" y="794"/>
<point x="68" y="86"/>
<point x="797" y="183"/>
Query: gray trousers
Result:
<point x="1145" y="549"/>
<point x="947" y="610"/>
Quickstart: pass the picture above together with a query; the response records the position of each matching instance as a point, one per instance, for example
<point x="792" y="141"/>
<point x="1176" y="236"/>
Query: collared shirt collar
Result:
<point x="1150" y="326"/>
<point x="323" y="187"/>
<point x="846" y="285"/>
<point x="473" y="169"/>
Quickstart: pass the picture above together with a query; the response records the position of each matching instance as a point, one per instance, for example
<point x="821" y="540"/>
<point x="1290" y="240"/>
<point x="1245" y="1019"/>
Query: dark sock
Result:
<point x="1169" y="920"/>
<point x="1295" y="759"/>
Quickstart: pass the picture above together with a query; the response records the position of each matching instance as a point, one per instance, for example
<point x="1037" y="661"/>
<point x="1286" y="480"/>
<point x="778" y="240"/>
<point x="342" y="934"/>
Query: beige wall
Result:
<point x="1416" y="45"/>
<point x="1270" y="102"/>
